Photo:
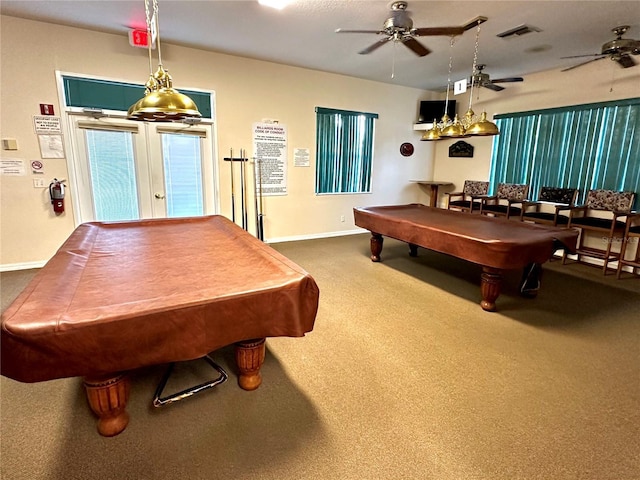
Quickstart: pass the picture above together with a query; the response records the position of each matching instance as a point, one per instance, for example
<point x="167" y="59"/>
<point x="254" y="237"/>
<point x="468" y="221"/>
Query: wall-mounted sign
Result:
<point x="301" y="157"/>
<point x="12" y="167"/>
<point x="461" y="149"/>
<point x="44" y="124"/>
<point x="270" y="150"/>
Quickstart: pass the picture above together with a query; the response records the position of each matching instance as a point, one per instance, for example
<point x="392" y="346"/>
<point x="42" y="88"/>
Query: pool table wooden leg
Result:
<point x="376" y="246"/>
<point x="491" y="281"/>
<point x="108" y="396"/>
<point x="249" y="359"/>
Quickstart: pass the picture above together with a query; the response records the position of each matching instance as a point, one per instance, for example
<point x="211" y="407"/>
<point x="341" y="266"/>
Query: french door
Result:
<point x="126" y="170"/>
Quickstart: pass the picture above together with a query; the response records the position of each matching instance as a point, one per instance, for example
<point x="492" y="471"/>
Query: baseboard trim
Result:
<point x="11" y="267"/>
<point x="316" y="236"/>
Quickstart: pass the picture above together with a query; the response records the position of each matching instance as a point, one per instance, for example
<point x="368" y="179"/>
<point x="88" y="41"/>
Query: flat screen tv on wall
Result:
<point x="430" y="109"/>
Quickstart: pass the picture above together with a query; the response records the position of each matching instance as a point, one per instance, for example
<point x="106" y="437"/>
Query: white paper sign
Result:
<point x="301" y="157"/>
<point x="12" y="167"/>
<point x="270" y="152"/>
<point x="51" y="146"/>
<point x="460" y="87"/>
<point x="47" y="124"/>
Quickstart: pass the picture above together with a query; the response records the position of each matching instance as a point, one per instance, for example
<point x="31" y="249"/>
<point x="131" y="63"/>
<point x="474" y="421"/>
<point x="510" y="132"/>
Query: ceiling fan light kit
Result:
<point x="161" y="102"/>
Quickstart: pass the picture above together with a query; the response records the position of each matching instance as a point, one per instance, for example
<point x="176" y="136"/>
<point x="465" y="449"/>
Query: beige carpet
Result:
<point x="404" y="377"/>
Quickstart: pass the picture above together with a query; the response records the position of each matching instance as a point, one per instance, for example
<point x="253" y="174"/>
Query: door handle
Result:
<point x="159" y="196"/>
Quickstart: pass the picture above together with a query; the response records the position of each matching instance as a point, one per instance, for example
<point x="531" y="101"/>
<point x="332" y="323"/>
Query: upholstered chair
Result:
<point x="469" y="198"/>
<point x="603" y="216"/>
<point x="502" y="204"/>
<point x="551" y="201"/>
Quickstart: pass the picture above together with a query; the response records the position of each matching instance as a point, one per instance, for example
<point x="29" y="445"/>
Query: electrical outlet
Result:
<point x="38" y="183"/>
<point x="342" y="218"/>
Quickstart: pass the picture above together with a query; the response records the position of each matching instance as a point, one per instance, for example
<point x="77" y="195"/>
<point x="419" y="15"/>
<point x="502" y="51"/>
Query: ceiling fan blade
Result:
<point x="508" y="80"/>
<point x="375" y="46"/>
<point x="625" y="61"/>
<point x="343" y="30"/>
<point x="583" y="63"/>
<point x="448" y="31"/>
<point x="416" y="46"/>
<point x="491" y="86"/>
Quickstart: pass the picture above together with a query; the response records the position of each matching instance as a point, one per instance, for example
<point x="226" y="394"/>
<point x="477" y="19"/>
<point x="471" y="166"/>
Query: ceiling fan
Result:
<point x="618" y="50"/>
<point x="482" y="79"/>
<point x="399" y="28"/>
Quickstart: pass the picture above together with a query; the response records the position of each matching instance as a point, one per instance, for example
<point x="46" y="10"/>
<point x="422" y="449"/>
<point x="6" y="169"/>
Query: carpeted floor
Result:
<point x="403" y="377"/>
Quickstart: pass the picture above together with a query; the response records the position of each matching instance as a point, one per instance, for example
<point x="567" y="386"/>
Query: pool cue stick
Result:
<point x="260" y="216"/>
<point x="255" y="198"/>
<point x="233" y="193"/>
<point x="243" y="191"/>
<point x="246" y="190"/>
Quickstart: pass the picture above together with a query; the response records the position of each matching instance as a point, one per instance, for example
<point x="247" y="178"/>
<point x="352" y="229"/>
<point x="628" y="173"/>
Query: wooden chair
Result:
<point x="502" y="203"/>
<point x="558" y="199"/>
<point x="469" y="198"/>
<point x="631" y="231"/>
<point x="602" y="214"/>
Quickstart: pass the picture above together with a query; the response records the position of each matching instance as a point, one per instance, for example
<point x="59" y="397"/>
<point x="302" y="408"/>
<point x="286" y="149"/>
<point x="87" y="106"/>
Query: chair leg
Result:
<point x="623" y="249"/>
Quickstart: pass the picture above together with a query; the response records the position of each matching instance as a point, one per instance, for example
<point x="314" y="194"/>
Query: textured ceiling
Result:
<point x="303" y="34"/>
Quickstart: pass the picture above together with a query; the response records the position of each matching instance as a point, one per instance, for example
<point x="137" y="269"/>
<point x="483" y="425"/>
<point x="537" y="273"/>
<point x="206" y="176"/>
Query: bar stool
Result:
<point x="631" y="231"/>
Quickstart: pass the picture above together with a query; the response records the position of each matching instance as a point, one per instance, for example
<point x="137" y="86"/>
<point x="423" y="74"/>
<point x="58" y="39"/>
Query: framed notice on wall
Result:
<point x="270" y="152"/>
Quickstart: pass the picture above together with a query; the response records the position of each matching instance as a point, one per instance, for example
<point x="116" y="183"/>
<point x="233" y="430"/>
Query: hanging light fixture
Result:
<point x="161" y="102"/>
<point x="473" y="125"/>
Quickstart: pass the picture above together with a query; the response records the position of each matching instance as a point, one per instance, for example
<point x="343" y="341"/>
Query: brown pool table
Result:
<point x="120" y="296"/>
<point x="494" y="243"/>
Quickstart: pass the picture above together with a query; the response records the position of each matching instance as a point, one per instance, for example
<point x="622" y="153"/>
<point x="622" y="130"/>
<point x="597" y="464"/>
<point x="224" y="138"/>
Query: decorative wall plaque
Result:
<point x="461" y="149"/>
<point x="406" y="149"/>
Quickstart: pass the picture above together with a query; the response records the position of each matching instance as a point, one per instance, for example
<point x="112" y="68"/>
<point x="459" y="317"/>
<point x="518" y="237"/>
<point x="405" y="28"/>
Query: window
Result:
<point x="584" y="146"/>
<point x="344" y="151"/>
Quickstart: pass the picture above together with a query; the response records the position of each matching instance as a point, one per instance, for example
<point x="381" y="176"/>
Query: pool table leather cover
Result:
<point x="119" y="296"/>
<point x="487" y="241"/>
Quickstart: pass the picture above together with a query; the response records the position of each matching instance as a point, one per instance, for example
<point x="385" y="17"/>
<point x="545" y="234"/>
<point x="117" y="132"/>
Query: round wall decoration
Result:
<point x="406" y="149"/>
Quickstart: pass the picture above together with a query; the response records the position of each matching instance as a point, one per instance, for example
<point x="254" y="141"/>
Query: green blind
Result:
<point x="585" y="146"/>
<point x="119" y="96"/>
<point x="344" y="150"/>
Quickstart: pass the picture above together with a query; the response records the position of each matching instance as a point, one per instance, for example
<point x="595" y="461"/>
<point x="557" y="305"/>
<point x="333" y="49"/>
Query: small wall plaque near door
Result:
<point x="461" y="149"/>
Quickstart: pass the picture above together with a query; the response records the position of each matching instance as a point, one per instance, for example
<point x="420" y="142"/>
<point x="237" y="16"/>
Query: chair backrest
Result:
<point x="565" y="196"/>
<point x="512" y="191"/>
<point x="475" y="187"/>
<point x="610" y="200"/>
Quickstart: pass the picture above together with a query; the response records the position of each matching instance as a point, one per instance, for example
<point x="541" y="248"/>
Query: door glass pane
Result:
<point x="183" y="175"/>
<point x="113" y="175"/>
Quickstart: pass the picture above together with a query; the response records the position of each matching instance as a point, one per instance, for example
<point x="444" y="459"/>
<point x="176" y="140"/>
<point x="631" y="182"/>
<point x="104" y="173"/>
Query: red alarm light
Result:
<point x="139" y="38"/>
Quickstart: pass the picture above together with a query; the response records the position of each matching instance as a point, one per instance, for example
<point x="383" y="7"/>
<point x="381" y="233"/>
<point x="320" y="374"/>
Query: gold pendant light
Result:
<point x="483" y="127"/>
<point x="455" y="130"/>
<point x="161" y="102"/>
<point x="432" y="134"/>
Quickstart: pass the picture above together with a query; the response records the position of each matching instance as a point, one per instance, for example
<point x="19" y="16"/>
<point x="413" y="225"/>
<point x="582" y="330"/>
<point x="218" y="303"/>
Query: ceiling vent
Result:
<point x="518" y="31"/>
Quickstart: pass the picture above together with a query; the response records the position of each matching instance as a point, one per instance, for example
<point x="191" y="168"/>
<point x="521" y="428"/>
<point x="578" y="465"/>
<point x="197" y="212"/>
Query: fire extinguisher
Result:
<point x="56" y="192"/>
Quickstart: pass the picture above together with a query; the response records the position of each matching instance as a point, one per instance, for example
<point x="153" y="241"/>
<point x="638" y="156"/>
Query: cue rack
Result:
<point x="257" y="191"/>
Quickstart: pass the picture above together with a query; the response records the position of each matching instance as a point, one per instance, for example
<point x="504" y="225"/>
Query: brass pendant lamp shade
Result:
<point x="483" y="127"/>
<point x="455" y="130"/>
<point x="161" y="102"/>
<point x="432" y="134"/>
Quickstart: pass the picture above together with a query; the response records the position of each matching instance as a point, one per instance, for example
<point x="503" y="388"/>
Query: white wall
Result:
<point x="247" y="91"/>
